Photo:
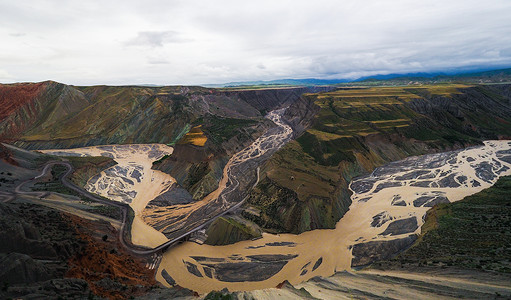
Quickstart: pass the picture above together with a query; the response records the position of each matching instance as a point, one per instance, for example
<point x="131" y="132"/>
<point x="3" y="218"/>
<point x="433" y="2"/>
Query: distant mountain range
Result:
<point x="306" y="81"/>
<point x="491" y="76"/>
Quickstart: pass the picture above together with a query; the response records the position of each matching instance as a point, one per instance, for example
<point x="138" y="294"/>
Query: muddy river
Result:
<point x="388" y="209"/>
<point x="131" y="181"/>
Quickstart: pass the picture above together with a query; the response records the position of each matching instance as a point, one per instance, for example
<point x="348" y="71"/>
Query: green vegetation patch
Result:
<point x="229" y="230"/>
<point x="222" y="129"/>
<point x="107" y="211"/>
<point x="474" y="233"/>
<point x="296" y="193"/>
<point x="215" y="295"/>
<point x="86" y="167"/>
<point x="54" y="184"/>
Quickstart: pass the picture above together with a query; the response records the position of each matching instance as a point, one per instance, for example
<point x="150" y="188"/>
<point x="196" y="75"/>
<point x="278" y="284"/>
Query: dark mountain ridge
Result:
<point x="479" y="75"/>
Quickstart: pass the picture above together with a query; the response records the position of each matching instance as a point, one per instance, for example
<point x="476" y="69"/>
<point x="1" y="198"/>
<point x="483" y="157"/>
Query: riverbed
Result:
<point x="388" y="208"/>
<point x="387" y="211"/>
<point x="131" y="181"/>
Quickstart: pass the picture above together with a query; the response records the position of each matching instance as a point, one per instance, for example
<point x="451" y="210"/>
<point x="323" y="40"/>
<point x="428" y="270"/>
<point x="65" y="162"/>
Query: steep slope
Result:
<point x="358" y="129"/>
<point x="54" y="115"/>
<point x="72" y="116"/>
<point x="21" y="105"/>
<point x="199" y="169"/>
<point x="228" y="230"/>
<point x="57" y="245"/>
<point x="474" y="233"/>
<point x="51" y="114"/>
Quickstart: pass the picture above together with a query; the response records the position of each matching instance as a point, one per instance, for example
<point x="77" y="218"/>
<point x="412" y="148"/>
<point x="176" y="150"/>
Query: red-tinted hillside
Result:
<point x="14" y="96"/>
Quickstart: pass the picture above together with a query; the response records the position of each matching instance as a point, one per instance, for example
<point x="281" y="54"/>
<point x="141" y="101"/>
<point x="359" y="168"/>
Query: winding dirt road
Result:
<point x="123" y="207"/>
<point x="220" y="202"/>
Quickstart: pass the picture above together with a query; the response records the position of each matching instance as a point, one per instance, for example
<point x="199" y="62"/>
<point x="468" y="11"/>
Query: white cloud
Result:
<point x="194" y="42"/>
<point x="156" y="38"/>
<point x="5" y="76"/>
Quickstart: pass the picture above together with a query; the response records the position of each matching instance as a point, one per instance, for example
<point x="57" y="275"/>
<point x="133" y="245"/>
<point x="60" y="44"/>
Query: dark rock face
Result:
<point x="401" y="226"/>
<point x="18" y="268"/>
<point x="317" y="264"/>
<point x="448" y="181"/>
<point x="18" y="235"/>
<point x="175" y="195"/>
<point x="367" y="253"/>
<point x="280" y="244"/>
<point x="484" y="172"/>
<point x="300" y="114"/>
<point x="202" y="259"/>
<point x="363" y="185"/>
<point x="208" y="272"/>
<point x="430" y="201"/>
<point x="412" y="175"/>
<point x="462" y="179"/>
<point x="381" y="219"/>
<point x="250" y="268"/>
<point x="269" y="99"/>
<point x="385" y="185"/>
<point x="167" y="277"/>
<point x="271" y="257"/>
<point x="192" y="269"/>
<point x="397" y="201"/>
<point x="247" y="271"/>
<point x="421" y="183"/>
<point x="504" y="155"/>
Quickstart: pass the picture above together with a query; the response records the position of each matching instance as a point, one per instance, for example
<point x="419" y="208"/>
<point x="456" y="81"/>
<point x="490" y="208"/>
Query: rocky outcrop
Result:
<point x="265" y="100"/>
<point x="300" y="114"/>
<point x="21" y="233"/>
<point x="199" y="169"/>
<point x="16" y="268"/>
<point x="366" y="253"/>
<point x="401" y="226"/>
<point x="229" y="230"/>
<point x="45" y="254"/>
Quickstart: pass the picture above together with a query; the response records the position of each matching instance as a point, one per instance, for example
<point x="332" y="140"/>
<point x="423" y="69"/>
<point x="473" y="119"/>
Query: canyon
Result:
<point x="287" y="183"/>
<point x="376" y="225"/>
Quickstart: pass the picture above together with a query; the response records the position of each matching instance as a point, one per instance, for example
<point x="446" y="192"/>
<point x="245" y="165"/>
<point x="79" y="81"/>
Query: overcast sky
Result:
<point x="195" y="42"/>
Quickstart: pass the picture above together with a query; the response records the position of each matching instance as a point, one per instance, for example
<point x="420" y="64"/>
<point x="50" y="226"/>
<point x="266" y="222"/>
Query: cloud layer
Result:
<point x="195" y="42"/>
